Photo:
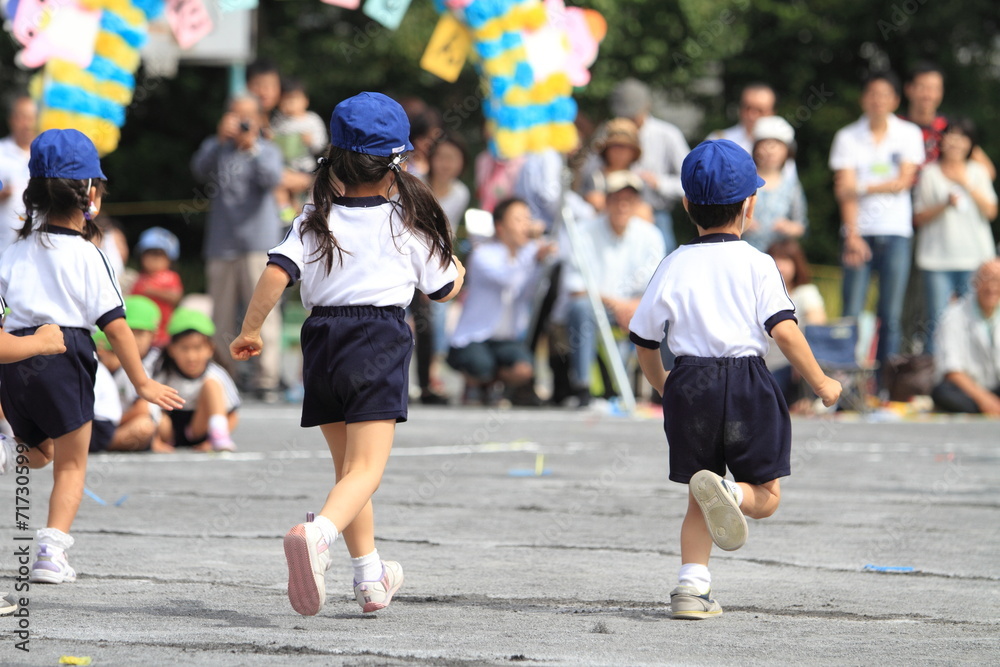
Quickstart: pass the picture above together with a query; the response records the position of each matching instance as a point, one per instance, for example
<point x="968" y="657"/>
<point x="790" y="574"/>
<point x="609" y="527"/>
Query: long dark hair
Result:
<point x="58" y="198"/>
<point x="417" y="206"/>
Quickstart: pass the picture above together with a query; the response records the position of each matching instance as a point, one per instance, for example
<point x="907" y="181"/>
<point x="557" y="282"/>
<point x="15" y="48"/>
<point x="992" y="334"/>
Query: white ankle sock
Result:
<point x="695" y="575"/>
<point x="54" y="537"/>
<point x="218" y="429"/>
<point x="8" y="454"/>
<point x="326" y="529"/>
<point x="736" y="490"/>
<point x="367" y="568"/>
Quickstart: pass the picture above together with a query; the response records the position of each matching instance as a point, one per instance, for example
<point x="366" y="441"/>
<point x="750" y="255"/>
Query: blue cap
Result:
<point x="64" y="154"/>
<point x="719" y="172"/>
<point x="370" y="123"/>
<point x="158" y="238"/>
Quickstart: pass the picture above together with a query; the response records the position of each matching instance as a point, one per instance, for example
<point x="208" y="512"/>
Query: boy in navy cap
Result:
<point x="721" y="407"/>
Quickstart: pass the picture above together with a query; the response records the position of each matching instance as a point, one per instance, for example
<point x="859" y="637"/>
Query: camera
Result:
<point x="244" y="126"/>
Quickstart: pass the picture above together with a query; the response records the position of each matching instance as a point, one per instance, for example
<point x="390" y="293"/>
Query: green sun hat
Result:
<point x="101" y="340"/>
<point x="142" y="313"/>
<point x="189" y="319"/>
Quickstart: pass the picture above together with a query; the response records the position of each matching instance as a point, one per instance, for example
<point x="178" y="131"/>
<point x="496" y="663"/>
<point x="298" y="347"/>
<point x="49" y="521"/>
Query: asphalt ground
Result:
<point x="183" y="565"/>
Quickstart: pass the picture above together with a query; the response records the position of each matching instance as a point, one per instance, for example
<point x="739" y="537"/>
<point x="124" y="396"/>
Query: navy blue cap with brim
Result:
<point x="719" y="172"/>
<point x="64" y="154"/>
<point x="370" y="123"/>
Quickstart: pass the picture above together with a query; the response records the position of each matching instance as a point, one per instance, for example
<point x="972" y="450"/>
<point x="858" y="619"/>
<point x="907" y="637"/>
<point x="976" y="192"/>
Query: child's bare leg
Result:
<point x="760" y="500"/>
<point x="363" y="451"/>
<point x="696" y="541"/>
<point x="134" y="435"/>
<point x="211" y="401"/>
<point x="163" y="440"/>
<point x="40" y="456"/>
<point x="69" y="474"/>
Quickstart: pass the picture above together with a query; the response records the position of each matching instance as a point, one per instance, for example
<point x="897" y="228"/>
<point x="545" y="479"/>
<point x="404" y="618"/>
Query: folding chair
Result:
<point x="835" y="347"/>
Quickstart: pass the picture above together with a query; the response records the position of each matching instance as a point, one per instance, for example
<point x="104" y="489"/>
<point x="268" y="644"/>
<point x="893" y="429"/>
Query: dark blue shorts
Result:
<point x="726" y="413"/>
<point x="355" y="364"/>
<point x="49" y="396"/>
<point x="480" y="361"/>
<point x="101" y="434"/>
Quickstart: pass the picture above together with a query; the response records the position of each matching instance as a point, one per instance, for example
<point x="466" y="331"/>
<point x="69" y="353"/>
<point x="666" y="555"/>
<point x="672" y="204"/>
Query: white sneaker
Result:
<point x="51" y="566"/>
<point x="375" y="595"/>
<point x="725" y="521"/>
<point x="8" y="454"/>
<point x="308" y="557"/>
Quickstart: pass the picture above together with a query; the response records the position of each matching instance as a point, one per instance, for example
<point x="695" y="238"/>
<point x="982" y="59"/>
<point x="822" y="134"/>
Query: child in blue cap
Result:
<point x="54" y="274"/>
<point x="721" y="406"/>
<point x="372" y="235"/>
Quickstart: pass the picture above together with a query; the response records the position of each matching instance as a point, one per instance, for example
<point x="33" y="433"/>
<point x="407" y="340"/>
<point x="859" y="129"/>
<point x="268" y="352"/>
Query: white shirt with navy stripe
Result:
<point x="721" y="297"/>
<point x="190" y="388"/>
<point x="56" y="277"/>
<point x="382" y="262"/>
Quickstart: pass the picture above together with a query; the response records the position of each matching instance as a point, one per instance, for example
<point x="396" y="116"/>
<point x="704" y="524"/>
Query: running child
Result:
<point x="211" y="399"/>
<point x="359" y="251"/>
<point x="721" y="407"/>
<point x="54" y="274"/>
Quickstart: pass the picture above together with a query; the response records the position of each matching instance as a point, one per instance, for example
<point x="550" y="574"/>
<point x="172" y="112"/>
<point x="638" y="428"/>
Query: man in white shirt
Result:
<point x="622" y="252"/>
<point x="663" y="150"/>
<point x="967" y="354"/>
<point x="14" y="153"/>
<point x="875" y="161"/>
<point x="756" y="101"/>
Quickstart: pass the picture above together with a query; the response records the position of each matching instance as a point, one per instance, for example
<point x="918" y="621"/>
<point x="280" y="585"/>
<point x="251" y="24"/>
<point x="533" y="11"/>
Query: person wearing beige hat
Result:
<point x="618" y="148"/>
<point x="781" y="203"/>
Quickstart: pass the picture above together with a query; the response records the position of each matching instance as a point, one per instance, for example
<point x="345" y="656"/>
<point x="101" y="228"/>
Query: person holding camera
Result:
<point x="239" y="170"/>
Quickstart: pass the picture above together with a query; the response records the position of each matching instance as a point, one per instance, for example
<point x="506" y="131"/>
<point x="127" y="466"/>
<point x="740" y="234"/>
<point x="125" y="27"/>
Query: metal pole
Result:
<point x="618" y="373"/>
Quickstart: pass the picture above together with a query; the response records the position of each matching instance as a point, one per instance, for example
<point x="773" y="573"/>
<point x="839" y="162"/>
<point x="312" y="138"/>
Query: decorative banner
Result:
<point x="387" y="12"/>
<point x="239" y="5"/>
<point x="531" y="54"/>
<point x="448" y="49"/>
<point x="346" y="4"/>
<point x="189" y="20"/>
<point x="65" y="30"/>
<point x="93" y="98"/>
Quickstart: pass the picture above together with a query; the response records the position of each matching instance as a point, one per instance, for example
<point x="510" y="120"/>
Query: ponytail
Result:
<point x="60" y="198"/>
<point x="417" y="205"/>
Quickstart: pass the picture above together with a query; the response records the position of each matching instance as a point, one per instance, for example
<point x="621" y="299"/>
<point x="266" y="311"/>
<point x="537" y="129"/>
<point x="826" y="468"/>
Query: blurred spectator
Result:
<point x="540" y="184"/>
<point x="954" y="202"/>
<point x="264" y="83"/>
<point x="446" y="163"/>
<point x="757" y="101"/>
<point x="495" y="178"/>
<point x="426" y="126"/>
<point x="663" y="150"/>
<point x="301" y="135"/>
<point x="781" y="204"/>
<point x="875" y="160"/>
<point x="157" y="249"/>
<point x="809" y="309"/>
<point x="489" y="344"/>
<point x="14" y="152"/>
<point x="621" y="252"/>
<point x="967" y="356"/>
<point x="617" y="146"/>
<point x="115" y="247"/>
<point x="242" y="170"/>
<point x="924" y="91"/>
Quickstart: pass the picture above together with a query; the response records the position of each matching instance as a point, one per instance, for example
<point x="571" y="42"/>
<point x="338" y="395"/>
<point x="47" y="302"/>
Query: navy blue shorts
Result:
<point x="480" y="361"/>
<point x="49" y="396"/>
<point x="355" y="365"/>
<point x="726" y="413"/>
<point x="101" y="433"/>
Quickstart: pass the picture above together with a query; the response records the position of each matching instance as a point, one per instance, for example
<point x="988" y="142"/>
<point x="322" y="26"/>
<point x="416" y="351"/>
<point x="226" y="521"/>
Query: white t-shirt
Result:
<point x="968" y="343"/>
<point x="620" y="265"/>
<point x="15" y="175"/>
<point x="190" y="388"/>
<point x="498" y="294"/>
<point x="107" y="404"/>
<point x="854" y="148"/>
<point x="57" y="277"/>
<point x="960" y="239"/>
<point x="382" y="264"/>
<point x="720" y="295"/>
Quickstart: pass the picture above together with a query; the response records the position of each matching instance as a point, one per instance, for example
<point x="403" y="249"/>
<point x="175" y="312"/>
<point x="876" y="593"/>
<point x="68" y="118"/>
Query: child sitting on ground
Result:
<point x="721" y="407"/>
<point x="212" y="400"/>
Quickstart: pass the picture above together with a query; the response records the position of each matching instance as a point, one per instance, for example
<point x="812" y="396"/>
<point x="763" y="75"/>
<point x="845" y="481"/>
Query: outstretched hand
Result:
<point x="246" y="346"/>
<point x="160" y="394"/>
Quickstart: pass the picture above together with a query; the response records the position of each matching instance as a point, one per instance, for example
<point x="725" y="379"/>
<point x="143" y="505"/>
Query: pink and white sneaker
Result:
<point x="308" y="557"/>
<point x="376" y="595"/>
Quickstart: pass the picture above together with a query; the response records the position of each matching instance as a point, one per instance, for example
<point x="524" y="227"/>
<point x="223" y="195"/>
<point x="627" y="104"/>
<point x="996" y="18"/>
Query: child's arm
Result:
<point x="652" y="367"/>
<point x="459" y="281"/>
<point x="272" y="283"/>
<point x="47" y="339"/>
<point x="123" y="343"/>
<point x="793" y="344"/>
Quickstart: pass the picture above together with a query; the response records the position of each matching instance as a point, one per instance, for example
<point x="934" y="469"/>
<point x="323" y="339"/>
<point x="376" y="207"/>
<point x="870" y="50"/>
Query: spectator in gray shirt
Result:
<point x="240" y="170"/>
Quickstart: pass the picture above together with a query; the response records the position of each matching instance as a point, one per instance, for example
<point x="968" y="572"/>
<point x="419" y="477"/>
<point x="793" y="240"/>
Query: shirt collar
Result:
<point x="361" y="202"/>
<point x="716" y="237"/>
<point x="56" y="229"/>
